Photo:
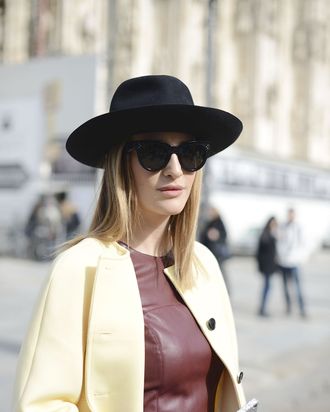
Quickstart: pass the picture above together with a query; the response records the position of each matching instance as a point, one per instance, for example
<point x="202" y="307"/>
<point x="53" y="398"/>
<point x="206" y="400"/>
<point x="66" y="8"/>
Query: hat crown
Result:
<point x="153" y="90"/>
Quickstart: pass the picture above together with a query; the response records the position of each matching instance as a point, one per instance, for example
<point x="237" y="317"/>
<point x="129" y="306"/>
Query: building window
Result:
<point x="45" y="27"/>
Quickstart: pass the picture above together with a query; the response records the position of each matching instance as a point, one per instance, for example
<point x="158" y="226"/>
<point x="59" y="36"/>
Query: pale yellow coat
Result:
<point x="84" y="350"/>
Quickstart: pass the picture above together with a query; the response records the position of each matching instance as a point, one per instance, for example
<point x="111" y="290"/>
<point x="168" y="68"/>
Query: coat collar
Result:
<point x="204" y="304"/>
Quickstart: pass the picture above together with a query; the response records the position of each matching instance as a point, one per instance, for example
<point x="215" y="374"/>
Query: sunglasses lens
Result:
<point x="153" y="156"/>
<point x="192" y="156"/>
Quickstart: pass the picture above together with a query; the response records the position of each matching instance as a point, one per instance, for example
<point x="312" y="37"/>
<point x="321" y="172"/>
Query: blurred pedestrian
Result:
<point x="214" y="236"/>
<point x="32" y="220"/>
<point x="135" y="315"/>
<point x="44" y="228"/>
<point x="69" y="213"/>
<point x="267" y="259"/>
<point x="290" y="257"/>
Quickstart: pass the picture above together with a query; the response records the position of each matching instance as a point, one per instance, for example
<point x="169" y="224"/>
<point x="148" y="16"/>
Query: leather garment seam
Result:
<point x="161" y="363"/>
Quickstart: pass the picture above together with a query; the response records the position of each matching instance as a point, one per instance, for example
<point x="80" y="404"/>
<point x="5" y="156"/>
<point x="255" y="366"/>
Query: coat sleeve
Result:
<point x="50" y="367"/>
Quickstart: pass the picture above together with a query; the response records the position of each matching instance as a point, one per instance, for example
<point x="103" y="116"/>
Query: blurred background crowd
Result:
<point x="267" y="61"/>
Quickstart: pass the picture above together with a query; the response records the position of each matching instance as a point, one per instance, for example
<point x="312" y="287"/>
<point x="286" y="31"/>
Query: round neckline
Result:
<point x="130" y="249"/>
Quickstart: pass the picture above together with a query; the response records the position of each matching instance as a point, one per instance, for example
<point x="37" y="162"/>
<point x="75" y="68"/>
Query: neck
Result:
<point x="148" y="235"/>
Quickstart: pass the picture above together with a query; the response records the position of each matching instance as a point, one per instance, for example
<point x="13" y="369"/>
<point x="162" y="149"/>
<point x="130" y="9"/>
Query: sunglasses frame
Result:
<point x="138" y="145"/>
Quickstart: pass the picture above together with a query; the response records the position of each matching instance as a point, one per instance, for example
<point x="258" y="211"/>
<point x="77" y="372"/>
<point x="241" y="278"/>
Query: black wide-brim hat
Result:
<point x="156" y="103"/>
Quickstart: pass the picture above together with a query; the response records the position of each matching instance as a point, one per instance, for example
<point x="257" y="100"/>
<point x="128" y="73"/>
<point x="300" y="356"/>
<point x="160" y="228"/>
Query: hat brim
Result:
<point x="93" y="139"/>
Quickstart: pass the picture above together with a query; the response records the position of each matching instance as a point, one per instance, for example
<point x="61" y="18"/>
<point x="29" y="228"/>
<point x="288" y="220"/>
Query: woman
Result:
<point x="267" y="259"/>
<point x="130" y="318"/>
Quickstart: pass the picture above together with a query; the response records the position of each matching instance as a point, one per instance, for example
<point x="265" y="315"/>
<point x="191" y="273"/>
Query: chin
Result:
<point x="175" y="207"/>
<point x="173" y="211"/>
<point x="168" y="208"/>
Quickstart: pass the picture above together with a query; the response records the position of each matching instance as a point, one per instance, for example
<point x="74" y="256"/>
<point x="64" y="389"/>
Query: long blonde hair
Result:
<point x="117" y="208"/>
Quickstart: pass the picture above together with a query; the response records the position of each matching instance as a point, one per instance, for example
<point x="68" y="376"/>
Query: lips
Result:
<point x="171" y="188"/>
<point x="171" y="191"/>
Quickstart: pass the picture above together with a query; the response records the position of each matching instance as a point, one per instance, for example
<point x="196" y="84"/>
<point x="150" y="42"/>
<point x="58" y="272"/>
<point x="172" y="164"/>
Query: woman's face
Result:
<point x="163" y="193"/>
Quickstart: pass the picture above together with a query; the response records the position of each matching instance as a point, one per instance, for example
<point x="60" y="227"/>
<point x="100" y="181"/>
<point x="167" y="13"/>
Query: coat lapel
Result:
<point x="204" y="302"/>
<point x="115" y="349"/>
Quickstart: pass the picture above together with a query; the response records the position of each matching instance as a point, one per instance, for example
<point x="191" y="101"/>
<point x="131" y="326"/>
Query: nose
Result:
<point x="173" y="167"/>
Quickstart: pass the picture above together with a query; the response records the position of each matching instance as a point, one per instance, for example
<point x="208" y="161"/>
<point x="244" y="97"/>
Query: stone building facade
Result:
<point x="270" y="59"/>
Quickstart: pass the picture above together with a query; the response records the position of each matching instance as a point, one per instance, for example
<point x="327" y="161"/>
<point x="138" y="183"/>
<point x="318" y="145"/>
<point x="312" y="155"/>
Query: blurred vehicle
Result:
<point x="246" y="245"/>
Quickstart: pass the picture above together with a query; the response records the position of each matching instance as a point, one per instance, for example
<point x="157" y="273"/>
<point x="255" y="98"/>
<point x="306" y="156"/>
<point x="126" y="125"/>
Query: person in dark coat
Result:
<point x="70" y="215"/>
<point x="214" y="237"/>
<point x="267" y="259"/>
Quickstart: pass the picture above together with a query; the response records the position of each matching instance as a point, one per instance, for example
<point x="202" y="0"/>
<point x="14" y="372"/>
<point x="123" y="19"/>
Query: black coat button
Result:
<point x="240" y="377"/>
<point x="211" y="323"/>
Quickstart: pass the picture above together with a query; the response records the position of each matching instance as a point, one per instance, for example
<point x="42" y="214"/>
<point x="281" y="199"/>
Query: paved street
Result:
<point x="285" y="360"/>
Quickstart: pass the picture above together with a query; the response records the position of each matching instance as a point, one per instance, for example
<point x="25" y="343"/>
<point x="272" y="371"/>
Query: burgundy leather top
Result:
<point x="181" y="370"/>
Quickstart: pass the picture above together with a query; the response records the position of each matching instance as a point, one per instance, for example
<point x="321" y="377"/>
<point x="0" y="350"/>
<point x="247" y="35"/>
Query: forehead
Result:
<point x="172" y="138"/>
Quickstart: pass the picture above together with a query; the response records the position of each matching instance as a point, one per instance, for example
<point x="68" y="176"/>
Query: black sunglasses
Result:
<point x="154" y="155"/>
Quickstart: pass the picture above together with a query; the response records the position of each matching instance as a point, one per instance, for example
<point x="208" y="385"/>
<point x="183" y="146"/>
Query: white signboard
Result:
<point x="21" y="140"/>
<point x="41" y="102"/>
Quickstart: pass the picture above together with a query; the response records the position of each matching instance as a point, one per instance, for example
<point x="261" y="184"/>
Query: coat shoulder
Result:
<point x="77" y="258"/>
<point x="204" y="254"/>
<point x="200" y="248"/>
<point x="208" y="262"/>
<point x="85" y="249"/>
